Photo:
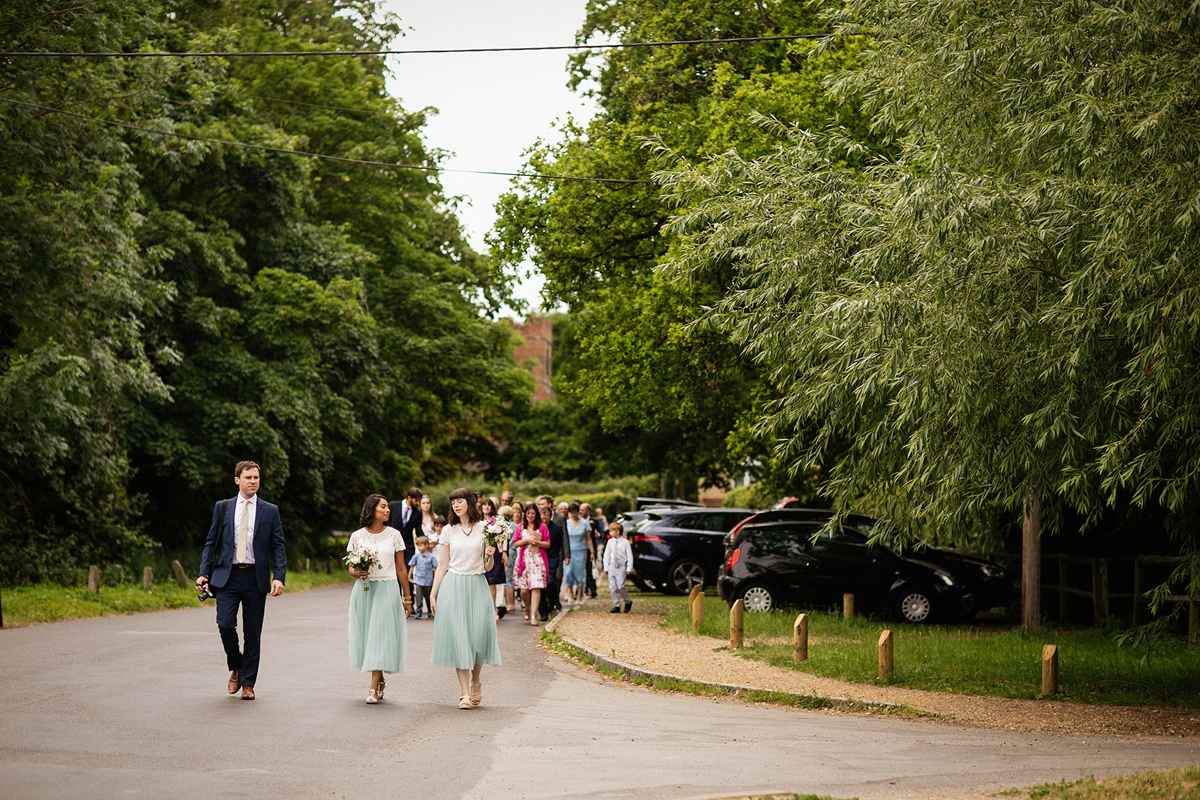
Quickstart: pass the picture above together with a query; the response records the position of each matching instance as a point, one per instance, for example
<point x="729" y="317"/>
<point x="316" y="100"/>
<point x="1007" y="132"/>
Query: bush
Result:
<point x="755" y="496"/>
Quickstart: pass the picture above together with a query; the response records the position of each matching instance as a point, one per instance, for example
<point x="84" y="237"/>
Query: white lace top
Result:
<point x="466" y="548"/>
<point x="384" y="545"/>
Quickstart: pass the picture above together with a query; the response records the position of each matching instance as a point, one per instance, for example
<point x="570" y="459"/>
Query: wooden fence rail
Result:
<point x="1100" y="595"/>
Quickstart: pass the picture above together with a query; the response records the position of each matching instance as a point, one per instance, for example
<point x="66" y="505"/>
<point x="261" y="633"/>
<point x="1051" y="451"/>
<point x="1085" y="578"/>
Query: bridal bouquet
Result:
<point x="497" y="531"/>
<point x="362" y="561"/>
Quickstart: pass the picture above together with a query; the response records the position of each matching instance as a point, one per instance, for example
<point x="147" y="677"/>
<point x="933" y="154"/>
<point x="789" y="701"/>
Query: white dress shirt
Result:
<point x="250" y="505"/>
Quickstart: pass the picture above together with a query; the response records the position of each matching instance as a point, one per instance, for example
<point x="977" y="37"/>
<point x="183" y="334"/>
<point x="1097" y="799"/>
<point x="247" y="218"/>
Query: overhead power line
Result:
<point x="341" y="159"/>
<point x="308" y="53"/>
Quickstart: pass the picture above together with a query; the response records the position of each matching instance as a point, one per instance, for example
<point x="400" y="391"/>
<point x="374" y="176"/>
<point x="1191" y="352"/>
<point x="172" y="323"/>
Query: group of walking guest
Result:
<point x="408" y="561"/>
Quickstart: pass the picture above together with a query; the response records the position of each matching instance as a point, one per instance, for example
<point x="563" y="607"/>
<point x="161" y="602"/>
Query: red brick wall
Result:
<point x="538" y="349"/>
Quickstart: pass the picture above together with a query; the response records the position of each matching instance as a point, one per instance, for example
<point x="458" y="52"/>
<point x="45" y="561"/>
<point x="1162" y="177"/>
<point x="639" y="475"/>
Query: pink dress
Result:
<point x="531" y="562"/>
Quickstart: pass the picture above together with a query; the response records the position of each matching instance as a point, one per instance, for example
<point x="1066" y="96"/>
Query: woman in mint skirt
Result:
<point x="378" y="634"/>
<point x="464" y="625"/>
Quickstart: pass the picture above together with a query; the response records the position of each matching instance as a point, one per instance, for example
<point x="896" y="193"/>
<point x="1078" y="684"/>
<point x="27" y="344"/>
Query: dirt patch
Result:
<point x="639" y="640"/>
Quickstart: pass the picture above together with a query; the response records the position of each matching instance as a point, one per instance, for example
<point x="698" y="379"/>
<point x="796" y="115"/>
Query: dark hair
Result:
<point x="573" y="508"/>
<point x="438" y="519"/>
<point x="414" y="493"/>
<point x="547" y="510"/>
<point x="472" y="499"/>
<point x="525" y="515"/>
<point x="242" y="466"/>
<point x="495" y="504"/>
<point x="367" y="515"/>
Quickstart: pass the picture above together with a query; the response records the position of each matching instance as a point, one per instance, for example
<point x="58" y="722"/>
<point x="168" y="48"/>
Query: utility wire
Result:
<point x="306" y="53"/>
<point x="341" y="159"/>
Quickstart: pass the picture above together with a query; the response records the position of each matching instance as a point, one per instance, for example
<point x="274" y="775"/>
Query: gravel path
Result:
<point x="638" y="639"/>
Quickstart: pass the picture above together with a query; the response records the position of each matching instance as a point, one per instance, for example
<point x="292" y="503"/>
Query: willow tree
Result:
<point x="1004" y="312"/>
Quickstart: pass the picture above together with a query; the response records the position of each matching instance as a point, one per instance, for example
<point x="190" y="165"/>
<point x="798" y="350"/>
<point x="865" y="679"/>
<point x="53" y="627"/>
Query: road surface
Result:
<point x="136" y="707"/>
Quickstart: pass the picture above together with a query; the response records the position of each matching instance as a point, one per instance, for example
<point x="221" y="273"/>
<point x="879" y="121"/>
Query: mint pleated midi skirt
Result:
<point x="378" y="632"/>
<point x="464" y="630"/>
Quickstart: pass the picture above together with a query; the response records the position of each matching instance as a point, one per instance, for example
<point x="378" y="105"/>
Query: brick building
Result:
<point x="537" y="353"/>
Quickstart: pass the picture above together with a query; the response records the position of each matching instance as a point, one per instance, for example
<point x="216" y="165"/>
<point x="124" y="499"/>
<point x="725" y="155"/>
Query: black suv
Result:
<point x="676" y="548"/>
<point x="773" y="560"/>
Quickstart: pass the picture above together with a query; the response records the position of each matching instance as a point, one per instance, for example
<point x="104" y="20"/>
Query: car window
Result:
<point x="783" y="541"/>
<point x="691" y="522"/>
<point x="842" y="544"/>
<point x="723" y="523"/>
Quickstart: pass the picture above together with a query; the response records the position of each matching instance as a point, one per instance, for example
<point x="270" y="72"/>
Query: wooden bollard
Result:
<point x="307" y="565"/>
<point x="94" y="579"/>
<point x="147" y="578"/>
<point x="885" y="655"/>
<point x="696" y="606"/>
<point x="331" y="566"/>
<point x="1049" y="669"/>
<point x="180" y="577"/>
<point x="736" y="614"/>
<point x="800" y="639"/>
<point x="847" y="606"/>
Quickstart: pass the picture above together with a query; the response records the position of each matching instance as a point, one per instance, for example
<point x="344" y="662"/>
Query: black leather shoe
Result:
<point x="615" y="610"/>
<point x="628" y="606"/>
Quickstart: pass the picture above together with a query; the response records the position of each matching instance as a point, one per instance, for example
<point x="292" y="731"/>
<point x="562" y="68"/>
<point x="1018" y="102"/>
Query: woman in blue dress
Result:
<point x="579" y="545"/>
<point x="378" y="637"/>
<point x="464" y="624"/>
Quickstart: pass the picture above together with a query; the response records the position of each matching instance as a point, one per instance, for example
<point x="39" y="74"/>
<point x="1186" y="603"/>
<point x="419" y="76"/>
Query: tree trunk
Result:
<point x="1031" y="564"/>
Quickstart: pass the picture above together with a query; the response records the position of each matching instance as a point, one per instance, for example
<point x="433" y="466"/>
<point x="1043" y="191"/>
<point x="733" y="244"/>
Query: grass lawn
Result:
<point x="1170" y="784"/>
<point x="48" y="602"/>
<point x="968" y="659"/>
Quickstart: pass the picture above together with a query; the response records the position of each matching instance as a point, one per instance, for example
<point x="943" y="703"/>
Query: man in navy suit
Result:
<point x="406" y="518"/>
<point x="251" y="535"/>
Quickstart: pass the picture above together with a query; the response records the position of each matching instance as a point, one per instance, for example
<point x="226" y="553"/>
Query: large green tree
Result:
<point x="677" y="391"/>
<point x="1003" y="312"/>
<point x="175" y="305"/>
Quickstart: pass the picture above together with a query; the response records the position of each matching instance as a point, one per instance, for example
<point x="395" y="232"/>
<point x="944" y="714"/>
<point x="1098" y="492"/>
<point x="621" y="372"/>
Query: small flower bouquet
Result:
<point x="362" y="561"/>
<point x="496" y="532"/>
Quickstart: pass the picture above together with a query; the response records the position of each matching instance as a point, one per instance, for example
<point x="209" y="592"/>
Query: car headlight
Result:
<point x="946" y="578"/>
<point x="992" y="570"/>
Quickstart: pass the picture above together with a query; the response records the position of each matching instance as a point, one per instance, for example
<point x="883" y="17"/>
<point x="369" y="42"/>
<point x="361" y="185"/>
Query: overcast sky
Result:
<point x="491" y="106"/>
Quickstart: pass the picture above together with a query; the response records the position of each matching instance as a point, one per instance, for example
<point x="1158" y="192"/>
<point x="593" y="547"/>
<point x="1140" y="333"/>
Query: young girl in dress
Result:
<point x="378" y="634"/>
<point x="464" y="625"/>
<point x="532" y="539"/>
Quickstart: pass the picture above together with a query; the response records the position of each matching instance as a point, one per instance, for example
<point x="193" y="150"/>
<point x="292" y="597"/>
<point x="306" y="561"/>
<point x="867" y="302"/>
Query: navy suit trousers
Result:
<point x="241" y="590"/>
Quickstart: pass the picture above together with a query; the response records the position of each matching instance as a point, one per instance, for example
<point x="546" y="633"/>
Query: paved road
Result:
<point x="136" y="707"/>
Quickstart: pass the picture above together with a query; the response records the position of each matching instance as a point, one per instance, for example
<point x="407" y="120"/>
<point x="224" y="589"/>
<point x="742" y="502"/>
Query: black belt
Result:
<point x="243" y="566"/>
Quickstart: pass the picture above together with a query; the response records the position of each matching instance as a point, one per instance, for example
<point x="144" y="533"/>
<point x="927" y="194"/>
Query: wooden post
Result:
<point x="1031" y="563"/>
<point x="847" y="606"/>
<point x="180" y="577"/>
<point x="885" y="655"/>
<point x="94" y="579"/>
<point x="736" y="614"/>
<point x="1062" y="589"/>
<point x="800" y="639"/>
<point x="147" y="578"/>
<point x="307" y="565"/>
<point x="696" y="600"/>
<point x="1049" y="669"/>
<point x="1138" y="580"/>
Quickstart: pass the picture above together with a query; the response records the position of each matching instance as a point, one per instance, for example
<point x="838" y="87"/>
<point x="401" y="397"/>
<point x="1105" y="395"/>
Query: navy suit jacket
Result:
<point x="268" y="543"/>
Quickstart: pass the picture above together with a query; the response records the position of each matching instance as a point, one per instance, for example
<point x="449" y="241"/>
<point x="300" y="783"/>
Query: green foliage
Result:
<point x="178" y="306"/>
<point x="756" y="495"/>
<point x="673" y="389"/>
<point x="1168" y="784"/>
<point x="1001" y="304"/>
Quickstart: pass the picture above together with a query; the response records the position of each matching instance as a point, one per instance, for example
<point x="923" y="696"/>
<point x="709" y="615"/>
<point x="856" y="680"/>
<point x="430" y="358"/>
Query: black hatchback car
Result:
<point x="775" y="562"/>
<point x="676" y="548"/>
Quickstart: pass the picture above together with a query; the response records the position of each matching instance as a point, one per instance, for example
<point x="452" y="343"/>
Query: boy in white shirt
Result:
<point x="618" y="562"/>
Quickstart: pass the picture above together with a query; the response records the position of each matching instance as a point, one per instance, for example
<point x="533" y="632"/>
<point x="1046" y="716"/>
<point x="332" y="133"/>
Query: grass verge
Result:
<point x="1169" y="784"/>
<point x="49" y="602"/>
<point x="965" y="659"/>
<point x="555" y="643"/>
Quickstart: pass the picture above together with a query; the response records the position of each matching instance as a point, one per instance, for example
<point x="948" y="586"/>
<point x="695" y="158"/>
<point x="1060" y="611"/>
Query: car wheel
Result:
<point x="758" y="598"/>
<point x="682" y="575"/>
<point x="642" y="584"/>
<point x="915" y="606"/>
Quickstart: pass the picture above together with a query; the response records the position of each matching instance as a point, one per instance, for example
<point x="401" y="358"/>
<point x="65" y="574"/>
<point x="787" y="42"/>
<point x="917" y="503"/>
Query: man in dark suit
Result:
<point x="406" y="518"/>
<point x="251" y="535"/>
<point x="551" y="601"/>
